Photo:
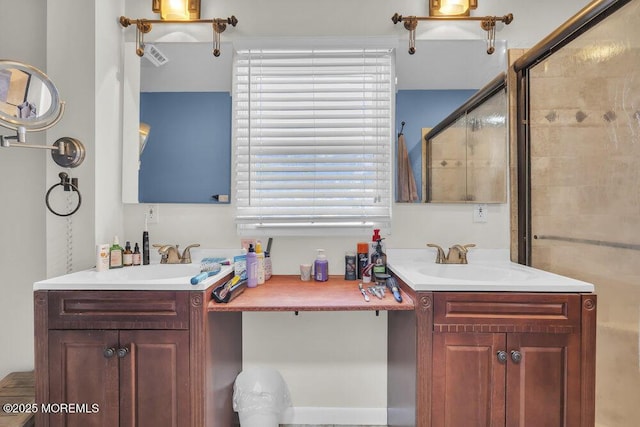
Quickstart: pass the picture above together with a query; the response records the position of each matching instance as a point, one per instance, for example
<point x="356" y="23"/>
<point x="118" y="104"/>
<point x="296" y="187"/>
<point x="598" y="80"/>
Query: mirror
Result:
<point x="467" y="151"/>
<point x="432" y="83"/>
<point x="29" y="101"/>
<point x="177" y="142"/>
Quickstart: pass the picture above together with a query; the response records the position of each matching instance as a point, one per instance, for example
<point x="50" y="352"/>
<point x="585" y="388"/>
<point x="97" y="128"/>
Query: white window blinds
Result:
<point x="313" y="139"/>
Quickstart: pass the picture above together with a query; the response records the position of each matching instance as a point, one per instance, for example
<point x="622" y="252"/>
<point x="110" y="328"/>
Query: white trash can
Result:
<point x="260" y="396"/>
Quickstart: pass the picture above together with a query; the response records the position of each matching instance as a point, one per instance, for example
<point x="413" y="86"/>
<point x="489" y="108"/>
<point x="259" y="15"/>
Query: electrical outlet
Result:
<point x="153" y="214"/>
<point x="480" y="213"/>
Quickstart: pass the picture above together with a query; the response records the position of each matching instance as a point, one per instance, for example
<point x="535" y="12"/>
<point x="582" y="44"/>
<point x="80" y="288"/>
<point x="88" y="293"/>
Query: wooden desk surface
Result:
<point x="289" y="293"/>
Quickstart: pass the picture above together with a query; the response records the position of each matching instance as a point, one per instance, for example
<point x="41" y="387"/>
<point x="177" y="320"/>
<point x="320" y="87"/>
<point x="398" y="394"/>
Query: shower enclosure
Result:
<point x="579" y="181"/>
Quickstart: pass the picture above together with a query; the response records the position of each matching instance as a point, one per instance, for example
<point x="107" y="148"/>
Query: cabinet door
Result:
<point x="154" y="379"/>
<point x="543" y="380"/>
<point x="468" y="380"/>
<point x="81" y="373"/>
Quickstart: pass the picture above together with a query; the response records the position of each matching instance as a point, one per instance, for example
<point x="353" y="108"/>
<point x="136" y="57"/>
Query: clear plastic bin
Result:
<point x="260" y="396"/>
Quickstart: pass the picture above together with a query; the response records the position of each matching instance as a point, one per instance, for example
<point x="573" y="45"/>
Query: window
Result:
<point x="313" y="140"/>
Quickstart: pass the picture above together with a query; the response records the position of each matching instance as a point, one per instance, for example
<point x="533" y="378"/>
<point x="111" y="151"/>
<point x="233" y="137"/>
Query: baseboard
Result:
<point x="341" y="416"/>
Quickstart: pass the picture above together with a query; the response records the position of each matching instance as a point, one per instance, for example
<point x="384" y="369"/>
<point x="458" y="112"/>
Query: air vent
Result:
<point x="154" y="55"/>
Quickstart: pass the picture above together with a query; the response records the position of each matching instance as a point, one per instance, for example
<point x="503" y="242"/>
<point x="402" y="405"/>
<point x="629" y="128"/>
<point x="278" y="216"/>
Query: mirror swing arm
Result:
<point x="144" y="26"/>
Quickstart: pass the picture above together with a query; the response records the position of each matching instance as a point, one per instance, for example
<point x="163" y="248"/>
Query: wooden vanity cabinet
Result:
<point x="490" y="359"/>
<point x="140" y="356"/>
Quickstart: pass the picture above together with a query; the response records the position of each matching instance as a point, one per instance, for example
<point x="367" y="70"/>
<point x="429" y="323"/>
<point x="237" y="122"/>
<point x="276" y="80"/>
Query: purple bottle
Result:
<point x="321" y="267"/>
<point x="252" y="267"/>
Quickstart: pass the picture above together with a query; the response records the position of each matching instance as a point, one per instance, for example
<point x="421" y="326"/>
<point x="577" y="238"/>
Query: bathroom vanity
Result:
<point x="157" y="352"/>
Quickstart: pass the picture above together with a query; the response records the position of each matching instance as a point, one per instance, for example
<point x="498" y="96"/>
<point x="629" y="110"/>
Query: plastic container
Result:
<point x="260" y="257"/>
<point x="252" y="267"/>
<point x="260" y="396"/>
<point x="321" y="267"/>
<point x="350" y="266"/>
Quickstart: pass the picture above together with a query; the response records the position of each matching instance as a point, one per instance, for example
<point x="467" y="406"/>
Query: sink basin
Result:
<point x="475" y="272"/>
<point x="489" y="270"/>
<point x="149" y="272"/>
<point x="144" y="277"/>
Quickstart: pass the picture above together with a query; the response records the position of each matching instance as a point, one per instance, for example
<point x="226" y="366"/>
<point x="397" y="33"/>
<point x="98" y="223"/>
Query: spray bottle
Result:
<point x="379" y="261"/>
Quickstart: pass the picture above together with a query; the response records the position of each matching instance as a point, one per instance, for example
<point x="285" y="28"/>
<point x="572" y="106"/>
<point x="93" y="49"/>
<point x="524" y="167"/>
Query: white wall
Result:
<point x="22" y="188"/>
<point x="329" y="360"/>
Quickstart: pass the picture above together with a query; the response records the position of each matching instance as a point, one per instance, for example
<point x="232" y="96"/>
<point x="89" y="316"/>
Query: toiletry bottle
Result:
<point x="260" y="257"/>
<point x="115" y="254"/>
<point x="268" y="268"/>
<point x="137" y="258"/>
<point x="127" y="255"/>
<point x="145" y="243"/>
<point x="240" y="264"/>
<point x="379" y="261"/>
<point x="350" y="266"/>
<point x="102" y="257"/>
<point x="252" y="267"/>
<point x="321" y="267"/>
<point x="363" y="257"/>
<point x="374" y="243"/>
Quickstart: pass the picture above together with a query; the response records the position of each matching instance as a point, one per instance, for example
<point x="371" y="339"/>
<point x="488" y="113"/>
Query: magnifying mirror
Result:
<point x="28" y="99"/>
<point x="30" y="102"/>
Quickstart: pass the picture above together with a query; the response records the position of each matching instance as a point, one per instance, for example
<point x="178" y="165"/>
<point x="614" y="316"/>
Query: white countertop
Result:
<point x="152" y="277"/>
<point x="487" y="270"/>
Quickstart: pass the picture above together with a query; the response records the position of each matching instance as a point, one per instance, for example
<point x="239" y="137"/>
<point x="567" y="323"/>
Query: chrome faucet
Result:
<point x="457" y="254"/>
<point x="171" y="254"/>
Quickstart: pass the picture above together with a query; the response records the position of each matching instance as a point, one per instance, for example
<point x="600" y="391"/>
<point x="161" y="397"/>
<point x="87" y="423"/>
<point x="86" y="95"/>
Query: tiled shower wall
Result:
<point x="585" y="192"/>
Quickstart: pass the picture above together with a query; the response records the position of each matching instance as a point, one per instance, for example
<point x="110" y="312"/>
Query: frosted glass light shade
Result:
<point x="181" y="10"/>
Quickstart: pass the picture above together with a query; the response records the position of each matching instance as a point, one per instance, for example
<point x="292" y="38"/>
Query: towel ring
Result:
<point x="66" y="183"/>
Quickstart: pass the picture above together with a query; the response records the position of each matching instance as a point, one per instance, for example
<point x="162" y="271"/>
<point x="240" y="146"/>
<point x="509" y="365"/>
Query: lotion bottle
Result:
<point x="321" y="267"/>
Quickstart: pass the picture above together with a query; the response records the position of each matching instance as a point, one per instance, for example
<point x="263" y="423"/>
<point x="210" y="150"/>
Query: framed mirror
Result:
<point x="432" y="83"/>
<point x="28" y="98"/>
<point x="177" y="124"/>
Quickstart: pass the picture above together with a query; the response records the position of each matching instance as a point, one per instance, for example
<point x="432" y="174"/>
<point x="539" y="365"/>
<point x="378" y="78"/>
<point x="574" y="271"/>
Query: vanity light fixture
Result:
<point x="488" y="23"/>
<point x="143" y="26"/>
<point x="178" y="10"/>
<point x="451" y="7"/>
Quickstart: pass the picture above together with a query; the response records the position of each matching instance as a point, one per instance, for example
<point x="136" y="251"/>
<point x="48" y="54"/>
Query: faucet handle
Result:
<point x="186" y="255"/>
<point x="440" y="255"/>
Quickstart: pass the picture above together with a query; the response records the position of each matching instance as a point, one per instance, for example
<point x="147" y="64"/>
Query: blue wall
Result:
<point x="424" y="109"/>
<point x="187" y="158"/>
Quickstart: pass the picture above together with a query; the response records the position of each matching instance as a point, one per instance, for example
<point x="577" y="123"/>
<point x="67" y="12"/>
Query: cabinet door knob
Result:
<point x="516" y="356"/>
<point x="122" y="352"/>
<point x="502" y="356"/>
<point x="109" y="352"/>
